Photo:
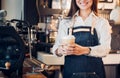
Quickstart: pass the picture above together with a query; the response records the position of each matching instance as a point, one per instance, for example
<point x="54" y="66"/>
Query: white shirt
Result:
<point x="103" y="31"/>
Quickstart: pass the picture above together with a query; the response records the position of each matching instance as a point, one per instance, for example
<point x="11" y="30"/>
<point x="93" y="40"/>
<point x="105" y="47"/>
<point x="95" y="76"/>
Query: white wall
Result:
<point x="14" y="8"/>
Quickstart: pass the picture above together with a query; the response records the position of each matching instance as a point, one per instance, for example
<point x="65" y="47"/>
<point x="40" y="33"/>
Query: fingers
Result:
<point x="68" y="49"/>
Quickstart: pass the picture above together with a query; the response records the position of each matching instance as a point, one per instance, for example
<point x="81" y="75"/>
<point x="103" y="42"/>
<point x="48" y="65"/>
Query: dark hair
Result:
<point x="75" y="8"/>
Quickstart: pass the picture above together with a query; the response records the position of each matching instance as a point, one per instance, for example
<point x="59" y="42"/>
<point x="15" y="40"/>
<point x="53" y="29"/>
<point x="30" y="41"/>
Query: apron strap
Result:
<point x="72" y="25"/>
<point x="73" y="22"/>
<point x="93" y="26"/>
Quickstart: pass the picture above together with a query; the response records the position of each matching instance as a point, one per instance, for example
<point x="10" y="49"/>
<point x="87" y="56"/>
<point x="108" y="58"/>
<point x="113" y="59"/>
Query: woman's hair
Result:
<point x="74" y="8"/>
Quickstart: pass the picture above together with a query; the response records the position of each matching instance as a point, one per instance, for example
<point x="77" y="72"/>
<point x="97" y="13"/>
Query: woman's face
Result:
<point x="84" y="4"/>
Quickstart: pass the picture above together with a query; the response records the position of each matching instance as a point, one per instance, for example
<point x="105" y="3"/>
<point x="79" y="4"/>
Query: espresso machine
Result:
<point x="47" y="26"/>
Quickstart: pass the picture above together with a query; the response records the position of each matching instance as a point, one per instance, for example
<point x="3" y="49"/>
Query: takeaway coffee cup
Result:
<point x="70" y="39"/>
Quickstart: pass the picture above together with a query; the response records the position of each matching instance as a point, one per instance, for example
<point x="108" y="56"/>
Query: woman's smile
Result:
<point x="84" y="4"/>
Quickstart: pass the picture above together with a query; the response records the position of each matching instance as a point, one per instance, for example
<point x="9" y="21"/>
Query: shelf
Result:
<point x="49" y="11"/>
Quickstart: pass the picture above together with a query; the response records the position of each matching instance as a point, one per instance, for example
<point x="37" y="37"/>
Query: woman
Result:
<point x="84" y="58"/>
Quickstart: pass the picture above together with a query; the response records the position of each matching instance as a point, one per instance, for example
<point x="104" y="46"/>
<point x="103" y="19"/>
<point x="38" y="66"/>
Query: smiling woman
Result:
<point x="83" y="59"/>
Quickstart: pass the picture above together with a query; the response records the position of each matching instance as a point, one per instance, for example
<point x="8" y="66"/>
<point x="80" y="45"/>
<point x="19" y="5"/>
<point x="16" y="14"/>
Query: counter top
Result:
<point x="50" y="59"/>
<point x="111" y="59"/>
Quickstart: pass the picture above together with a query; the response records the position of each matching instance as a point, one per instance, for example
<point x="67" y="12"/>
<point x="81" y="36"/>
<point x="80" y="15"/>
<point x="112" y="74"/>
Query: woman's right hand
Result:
<point x="65" y="49"/>
<point x="60" y="51"/>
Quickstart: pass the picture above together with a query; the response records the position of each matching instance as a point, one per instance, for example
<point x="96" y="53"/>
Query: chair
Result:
<point x="12" y="52"/>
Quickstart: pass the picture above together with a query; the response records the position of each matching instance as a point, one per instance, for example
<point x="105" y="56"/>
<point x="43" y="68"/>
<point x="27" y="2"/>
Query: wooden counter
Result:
<point x="28" y="71"/>
<point x="34" y="75"/>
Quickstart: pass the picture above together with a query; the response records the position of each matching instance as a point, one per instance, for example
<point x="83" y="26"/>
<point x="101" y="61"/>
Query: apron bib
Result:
<point x="84" y="66"/>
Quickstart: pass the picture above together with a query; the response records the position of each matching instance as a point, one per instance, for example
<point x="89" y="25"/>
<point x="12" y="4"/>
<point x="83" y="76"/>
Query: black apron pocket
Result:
<point x="85" y="75"/>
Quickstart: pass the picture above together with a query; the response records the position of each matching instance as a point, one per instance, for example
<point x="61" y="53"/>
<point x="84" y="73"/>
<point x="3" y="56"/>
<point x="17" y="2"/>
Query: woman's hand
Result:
<point x="73" y="49"/>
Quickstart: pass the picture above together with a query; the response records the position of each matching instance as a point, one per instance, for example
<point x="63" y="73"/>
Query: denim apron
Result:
<point x="83" y="66"/>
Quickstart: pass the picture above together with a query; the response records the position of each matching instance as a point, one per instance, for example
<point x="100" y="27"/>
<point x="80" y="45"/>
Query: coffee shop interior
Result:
<point x="28" y="29"/>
